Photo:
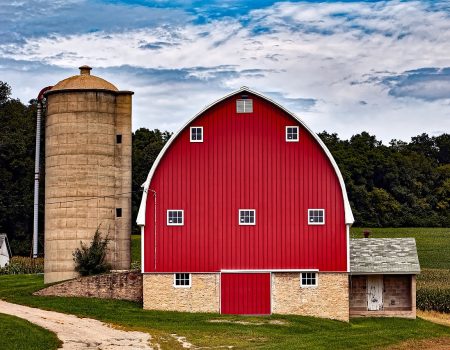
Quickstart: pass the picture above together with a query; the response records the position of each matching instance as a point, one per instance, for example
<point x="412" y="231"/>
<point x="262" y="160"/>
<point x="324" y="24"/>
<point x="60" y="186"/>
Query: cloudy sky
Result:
<point x="344" y="67"/>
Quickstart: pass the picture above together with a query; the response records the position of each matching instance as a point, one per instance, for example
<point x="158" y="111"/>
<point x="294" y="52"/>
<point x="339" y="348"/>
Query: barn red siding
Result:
<point x="245" y="162"/>
<point x="245" y="293"/>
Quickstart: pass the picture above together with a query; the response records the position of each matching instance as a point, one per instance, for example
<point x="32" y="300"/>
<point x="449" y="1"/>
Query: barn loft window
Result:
<point x="291" y="133"/>
<point x="316" y="216"/>
<point x="197" y="134"/>
<point x="247" y="217"/>
<point x="175" y="217"/>
<point x="182" y="280"/>
<point x="244" y="105"/>
<point x="308" y="279"/>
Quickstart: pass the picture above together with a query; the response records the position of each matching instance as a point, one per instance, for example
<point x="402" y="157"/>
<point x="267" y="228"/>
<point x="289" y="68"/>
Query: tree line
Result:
<point x="400" y="184"/>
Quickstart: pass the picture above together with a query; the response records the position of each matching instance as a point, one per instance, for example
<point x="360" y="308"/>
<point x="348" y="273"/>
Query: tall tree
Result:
<point x="17" y="143"/>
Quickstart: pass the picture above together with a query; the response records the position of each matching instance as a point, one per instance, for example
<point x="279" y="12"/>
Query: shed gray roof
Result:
<point x="383" y="255"/>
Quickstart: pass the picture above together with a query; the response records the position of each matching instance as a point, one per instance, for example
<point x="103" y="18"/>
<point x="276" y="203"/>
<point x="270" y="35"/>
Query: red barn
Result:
<point x="245" y="212"/>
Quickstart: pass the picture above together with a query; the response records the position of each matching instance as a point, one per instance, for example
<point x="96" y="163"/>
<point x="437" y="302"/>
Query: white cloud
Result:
<point x="303" y="51"/>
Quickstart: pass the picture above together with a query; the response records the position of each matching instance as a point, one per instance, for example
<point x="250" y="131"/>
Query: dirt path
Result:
<point x="79" y="333"/>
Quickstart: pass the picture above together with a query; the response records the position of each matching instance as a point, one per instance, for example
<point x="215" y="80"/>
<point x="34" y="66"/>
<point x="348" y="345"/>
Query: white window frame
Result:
<point x="175" y="285"/>
<point x="248" y="105"/>
<point x="176" y="223"/>
<point x="190" y="134"/>
<point x="309" y="285"/>
<point x="286" y="133"/>
<point x="316" y="223"/>
<point x="247" y="223"/>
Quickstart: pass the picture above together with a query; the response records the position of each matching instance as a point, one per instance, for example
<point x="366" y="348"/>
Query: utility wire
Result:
<point x="69" y="201"/>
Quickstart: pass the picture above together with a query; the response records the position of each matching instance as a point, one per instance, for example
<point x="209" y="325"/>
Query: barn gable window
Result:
<point x="175" y="217"/>
<point x="308" y="279"/>
<point x="247" y="217"/>
<point x="197" y="134"/>
<point x="244" y="105"/>
<point x="182" y="280"/>
<point x="292" y="134"/>
<point x="316" y="216"/>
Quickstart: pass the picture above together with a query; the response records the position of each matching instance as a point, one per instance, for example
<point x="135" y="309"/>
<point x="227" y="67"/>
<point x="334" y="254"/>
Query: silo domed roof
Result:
<point x="84" y="81"/>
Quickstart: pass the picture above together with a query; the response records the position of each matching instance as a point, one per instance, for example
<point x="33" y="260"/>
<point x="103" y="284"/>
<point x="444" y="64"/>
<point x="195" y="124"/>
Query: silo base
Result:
<point x="51" y="277"/>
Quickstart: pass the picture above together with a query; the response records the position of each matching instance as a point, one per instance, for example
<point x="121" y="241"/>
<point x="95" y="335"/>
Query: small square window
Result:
<point x="308" y="279"/>
<point x="118" y="138"/>
<point x="182" y="280"/>
<point x="247" y="217"/>
<point x="118" y="212"/>
<point x="292" y="134"/>
<point x="196" y="134"/>
<point x="175" y="217"/>
<point x="316" y="216"/>
<point x="244" y="105"/>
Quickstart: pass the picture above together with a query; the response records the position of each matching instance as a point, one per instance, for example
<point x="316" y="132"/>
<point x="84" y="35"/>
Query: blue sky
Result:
<point x="345" y="67"/>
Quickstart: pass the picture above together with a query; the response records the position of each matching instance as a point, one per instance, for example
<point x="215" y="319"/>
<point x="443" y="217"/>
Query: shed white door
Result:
<point x="374" y="293"/>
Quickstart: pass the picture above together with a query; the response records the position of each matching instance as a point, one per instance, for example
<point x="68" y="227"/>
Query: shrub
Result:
<point x="23" y="265"/>
<point x="91" y="260"/>
<point x="433" y="300"/>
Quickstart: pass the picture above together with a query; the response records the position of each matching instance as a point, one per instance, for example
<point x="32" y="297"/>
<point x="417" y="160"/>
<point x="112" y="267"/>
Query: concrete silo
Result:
<point x="87" y="171"/>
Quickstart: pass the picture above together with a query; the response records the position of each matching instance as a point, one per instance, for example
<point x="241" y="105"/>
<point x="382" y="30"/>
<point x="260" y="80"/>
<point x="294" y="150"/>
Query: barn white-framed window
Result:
<point x="182" y="280"/>
<point x="308" y="279"/>
<point x="244" y="105"/>
<point x="292" y="134"/>
<point x="175" y="217"/>
<point x="247" y="217"/>
<point x="316" y="216"/>
<point x="196" y="133"/>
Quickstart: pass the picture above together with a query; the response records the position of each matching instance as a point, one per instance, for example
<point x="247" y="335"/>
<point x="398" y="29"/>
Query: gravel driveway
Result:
<point x="79" y="333"/>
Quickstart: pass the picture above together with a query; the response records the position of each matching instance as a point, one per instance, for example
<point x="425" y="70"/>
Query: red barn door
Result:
<point x="245" y="293"/>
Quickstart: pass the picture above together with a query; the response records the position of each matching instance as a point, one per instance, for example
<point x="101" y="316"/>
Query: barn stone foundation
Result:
<point x="159" y="293"/>
<point x="328" y="300"/>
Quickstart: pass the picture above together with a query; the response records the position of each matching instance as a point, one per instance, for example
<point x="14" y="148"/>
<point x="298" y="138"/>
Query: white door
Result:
<point x="374" y="293"/>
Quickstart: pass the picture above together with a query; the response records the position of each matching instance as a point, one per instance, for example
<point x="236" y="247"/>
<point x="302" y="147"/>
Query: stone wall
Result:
<point x="358" y="293"/>
<point x="397" y="292"/>
<point x="328" y="300"/>
<point x="125" y="285"/>
<point x="159" y="293"/>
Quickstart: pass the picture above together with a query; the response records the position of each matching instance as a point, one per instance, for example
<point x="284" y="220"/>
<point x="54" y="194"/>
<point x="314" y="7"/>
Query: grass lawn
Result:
<point x="272" y="332"/>
<point x="294" y="332"/>
<point x="433" y="244"/>
<point x="13" y="329"/>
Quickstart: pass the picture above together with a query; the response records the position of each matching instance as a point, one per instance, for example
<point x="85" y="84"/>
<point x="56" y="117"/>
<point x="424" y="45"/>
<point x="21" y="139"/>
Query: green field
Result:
<point x="433" y="244"/>
<point x="14" y="329"/>
<point x="135" y="248"/>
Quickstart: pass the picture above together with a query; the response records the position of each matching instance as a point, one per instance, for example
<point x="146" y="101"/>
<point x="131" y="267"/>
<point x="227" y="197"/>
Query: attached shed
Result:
<point x="383" y="277"/>
<point x="5" y="250"/>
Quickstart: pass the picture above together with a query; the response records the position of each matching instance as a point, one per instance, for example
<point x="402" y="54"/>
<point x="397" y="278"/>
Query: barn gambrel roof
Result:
<point x="349" y="219"/>
<point x="384" y="256"/>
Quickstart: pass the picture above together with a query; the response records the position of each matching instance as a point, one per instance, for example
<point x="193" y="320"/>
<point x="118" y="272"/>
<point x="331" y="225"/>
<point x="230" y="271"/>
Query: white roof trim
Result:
<point x="348" y="211"/>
